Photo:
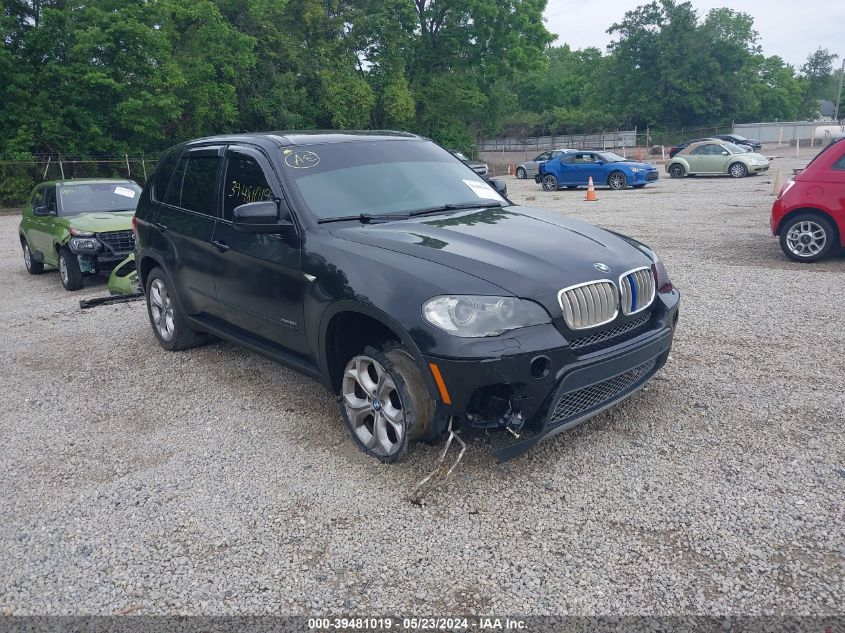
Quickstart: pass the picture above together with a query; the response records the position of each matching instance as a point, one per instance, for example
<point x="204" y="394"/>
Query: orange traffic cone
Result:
<point x="591" y="191"/>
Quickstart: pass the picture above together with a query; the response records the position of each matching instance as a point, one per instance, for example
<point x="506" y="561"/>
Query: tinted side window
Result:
<point x="199" y="185"/>
<point x="840" y="164"/>
<point x="163" y="174"/>
<point x="568" y="158"/>
<point x="543" y="156"/>
<point x="38" y="197"/>
<point x="245" y="182"/>
<point x="174" y="193"/>
<point x="50" y="199"/>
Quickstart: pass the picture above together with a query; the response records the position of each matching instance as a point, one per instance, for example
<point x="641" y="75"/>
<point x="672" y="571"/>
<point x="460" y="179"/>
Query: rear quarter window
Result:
<point x="163" y="175"/>
<point x="839" y="165"/>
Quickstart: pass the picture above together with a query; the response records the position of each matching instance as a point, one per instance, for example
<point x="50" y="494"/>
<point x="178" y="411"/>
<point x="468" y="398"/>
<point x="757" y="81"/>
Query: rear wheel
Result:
<point x="738" y="170"/>
<point x="69" y="270"/>
<point x="520" y="173"/>
<point x="384" y="402"/>
<point x="170" y="324"/>
<point x="617" y="181"/>
<point x="677" y="171"/>
<point x="549" y="183"/>
<point x="807" y="237"/>
<point x="32" y="267"/>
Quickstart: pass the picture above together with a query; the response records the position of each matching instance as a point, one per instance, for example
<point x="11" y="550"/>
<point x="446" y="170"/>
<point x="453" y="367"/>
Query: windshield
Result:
<point x="610" y="157"/>
<point x="336" y="180"/>
<point x="737" y="137"/>
<point x="93" y="197"/>
<point x="734" y="149"/>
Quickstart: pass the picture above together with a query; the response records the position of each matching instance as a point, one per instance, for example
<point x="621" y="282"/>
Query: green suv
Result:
<point x="83" y="227"/>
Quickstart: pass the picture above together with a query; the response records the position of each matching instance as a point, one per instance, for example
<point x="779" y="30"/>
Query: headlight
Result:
<point x="664" y="284"/>
<point x="84" y="245"/>
<point x="470" y="316"/>
<point x="78" y="233"/>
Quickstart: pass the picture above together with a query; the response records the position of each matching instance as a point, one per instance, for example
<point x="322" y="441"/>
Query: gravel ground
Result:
<point x="215" y="481"/>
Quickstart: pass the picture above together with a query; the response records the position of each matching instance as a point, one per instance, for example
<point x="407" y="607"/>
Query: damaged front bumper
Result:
<point x="123" y="280"/>
<point x="540" y="393"/>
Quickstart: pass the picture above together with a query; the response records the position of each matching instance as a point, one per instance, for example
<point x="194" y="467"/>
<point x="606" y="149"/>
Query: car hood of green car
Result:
<point x="101" y="221"/>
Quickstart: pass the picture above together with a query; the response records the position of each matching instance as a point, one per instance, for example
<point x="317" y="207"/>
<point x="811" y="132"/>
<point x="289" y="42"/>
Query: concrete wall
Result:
<point x="788" y="132"/>
<point x="604" y="140"/>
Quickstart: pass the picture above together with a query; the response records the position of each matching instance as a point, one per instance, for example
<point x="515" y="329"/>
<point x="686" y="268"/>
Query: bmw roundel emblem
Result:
<point x="602" y="267"/>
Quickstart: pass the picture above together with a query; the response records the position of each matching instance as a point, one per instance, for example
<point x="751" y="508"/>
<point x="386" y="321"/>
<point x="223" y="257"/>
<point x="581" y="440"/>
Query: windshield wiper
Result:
<point x="368" y="218"/>
<point x="455" y="207"/>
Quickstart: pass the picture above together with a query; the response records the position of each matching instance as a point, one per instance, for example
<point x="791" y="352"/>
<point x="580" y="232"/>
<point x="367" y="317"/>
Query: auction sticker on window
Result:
<point x="301" y="159"/>
<point x="481" y="190"/>
<point x="123" y="191"/>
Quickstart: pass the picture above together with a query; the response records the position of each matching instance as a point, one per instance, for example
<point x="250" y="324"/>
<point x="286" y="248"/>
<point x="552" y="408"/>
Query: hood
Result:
<point x="528" y="252"/>
<point x="101" y="221"/>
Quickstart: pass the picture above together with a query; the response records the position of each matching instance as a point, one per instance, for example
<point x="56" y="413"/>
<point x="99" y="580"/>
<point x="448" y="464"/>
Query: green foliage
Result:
<point x="131" y="76"/>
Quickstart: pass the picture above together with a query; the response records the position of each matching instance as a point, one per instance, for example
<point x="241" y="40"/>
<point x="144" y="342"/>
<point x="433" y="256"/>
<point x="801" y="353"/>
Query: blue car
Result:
<point x="606" y="168"/>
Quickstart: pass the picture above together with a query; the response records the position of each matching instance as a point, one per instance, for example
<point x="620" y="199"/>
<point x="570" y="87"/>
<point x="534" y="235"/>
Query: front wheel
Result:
<point x="549" y="183"/>
<point x="520" y="173"/>
<point x="69" y="270"/>
<point x="617" y="181"/>
<point x="384" y="402"/>
<point x="677" y="171"/>
<point x="807" y="237"/>
<point x="738" y="170"/>
<point x="32" y="267"/>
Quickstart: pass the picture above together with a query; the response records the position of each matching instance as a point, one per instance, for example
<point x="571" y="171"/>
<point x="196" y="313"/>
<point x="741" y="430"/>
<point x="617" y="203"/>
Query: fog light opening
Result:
<point x="540" y="367"/>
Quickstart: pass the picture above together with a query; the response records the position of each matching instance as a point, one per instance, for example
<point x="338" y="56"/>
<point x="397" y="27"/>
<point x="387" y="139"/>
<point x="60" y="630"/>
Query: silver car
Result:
<point x="531" y="168"/>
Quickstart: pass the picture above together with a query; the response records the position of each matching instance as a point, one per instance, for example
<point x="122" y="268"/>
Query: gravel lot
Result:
<point x="216" y="481"/>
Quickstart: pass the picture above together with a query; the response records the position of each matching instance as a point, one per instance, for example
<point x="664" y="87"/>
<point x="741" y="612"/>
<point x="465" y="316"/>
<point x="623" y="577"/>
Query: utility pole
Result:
<point x="839" y="93"/>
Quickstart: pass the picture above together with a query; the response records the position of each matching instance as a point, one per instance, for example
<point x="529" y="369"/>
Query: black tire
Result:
<point x="69" y="271"/>
<point x="183" y="336"/>
<point x="520" y="173"/>
<point x="790" y="246"/>
<point x="617" y="181"/>
<point x="677" y="171"/>
<point x="549" y="182"/>
<point x="414" y="400"/>
<point x="738" y="170"/>
<point x="32" y="267"/>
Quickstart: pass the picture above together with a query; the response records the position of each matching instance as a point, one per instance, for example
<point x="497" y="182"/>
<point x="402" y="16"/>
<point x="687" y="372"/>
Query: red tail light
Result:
<point x="134" y="225"/>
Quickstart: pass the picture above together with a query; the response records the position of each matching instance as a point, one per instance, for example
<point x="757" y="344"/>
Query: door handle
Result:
<point x="220" y="246"/>
<point x="161" y="227"/>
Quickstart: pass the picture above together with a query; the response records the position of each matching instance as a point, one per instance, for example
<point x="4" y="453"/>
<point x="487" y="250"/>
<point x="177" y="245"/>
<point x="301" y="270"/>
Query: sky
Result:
<point x="787" y="28"/>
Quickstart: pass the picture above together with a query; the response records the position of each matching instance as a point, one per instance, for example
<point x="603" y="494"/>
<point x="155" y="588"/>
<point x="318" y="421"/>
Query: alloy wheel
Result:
<point x="161" y="310"/>
<point x="63" y="270"/>
<point x="520" y="173"/>
<point x="617" y="181"/>
<point x="27" y="256"/>
<point x="373" y="405"/>
<point x="549" y="183"/>
<point x="738" y="170"/>
<point x="806" y="238"/>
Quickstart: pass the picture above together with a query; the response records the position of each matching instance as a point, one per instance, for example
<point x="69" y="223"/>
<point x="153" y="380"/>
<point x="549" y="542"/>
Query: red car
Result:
<point x="809" y="212"/>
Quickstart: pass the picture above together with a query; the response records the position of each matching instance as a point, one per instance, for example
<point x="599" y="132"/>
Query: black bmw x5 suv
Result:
<point x="384" y="267"/>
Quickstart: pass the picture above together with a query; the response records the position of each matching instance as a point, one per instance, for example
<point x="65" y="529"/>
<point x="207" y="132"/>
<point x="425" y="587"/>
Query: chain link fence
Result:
<point x="18" y="177"/>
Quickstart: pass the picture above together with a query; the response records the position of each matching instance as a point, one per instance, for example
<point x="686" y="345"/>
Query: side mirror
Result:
<point x="598" y="161"/>
<point x="41" y="211"/>
<point x="725" y="152"/>
<point x="499" y="185"/>
<point x="267" y="216"/>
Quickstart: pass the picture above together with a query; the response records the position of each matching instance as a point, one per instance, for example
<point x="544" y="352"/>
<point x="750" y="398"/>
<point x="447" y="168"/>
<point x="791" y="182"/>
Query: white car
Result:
<point x="531" y="168"/>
